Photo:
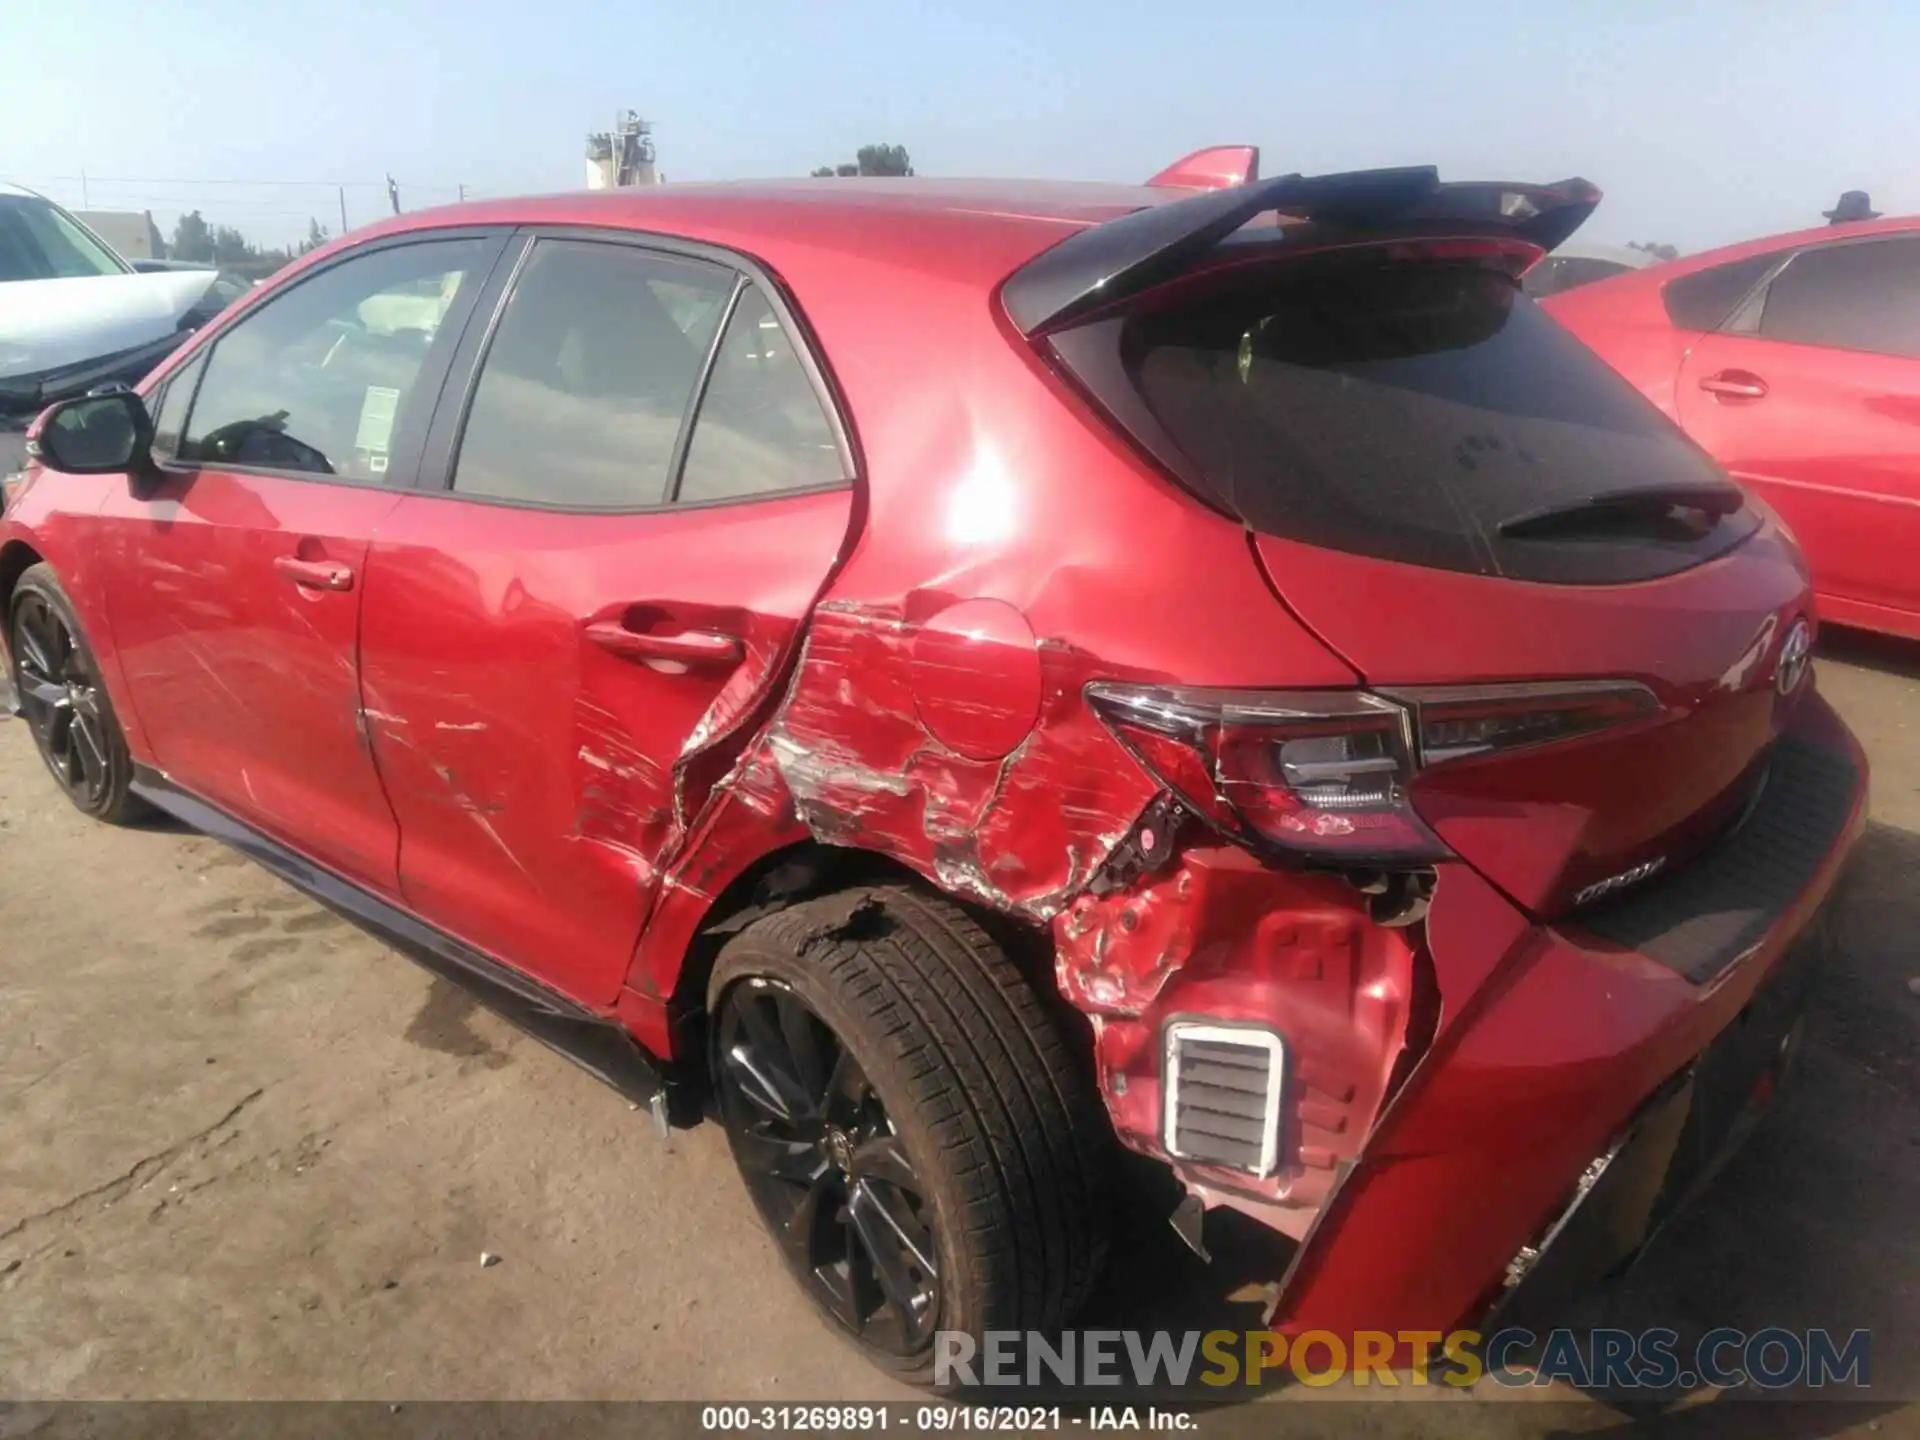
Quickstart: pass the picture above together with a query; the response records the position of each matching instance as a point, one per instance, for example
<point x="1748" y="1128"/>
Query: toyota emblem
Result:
<point x="1795" y="655"/>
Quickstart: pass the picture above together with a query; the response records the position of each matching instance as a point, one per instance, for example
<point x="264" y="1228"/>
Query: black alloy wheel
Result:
<point x="915" y="1126"/>
<point x="60" y="699"/>
<point x="826" y="1167"/>
<point x="57" y="685"/>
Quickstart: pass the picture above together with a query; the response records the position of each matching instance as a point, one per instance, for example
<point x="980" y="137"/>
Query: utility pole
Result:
<point x="84" y="203"/>
<point x="463" y="194"/>
<point x="343" y="209"/>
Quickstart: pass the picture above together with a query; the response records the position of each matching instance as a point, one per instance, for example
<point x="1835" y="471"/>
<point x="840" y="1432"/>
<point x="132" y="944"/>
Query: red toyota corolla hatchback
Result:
<point x="956" y="673"/>
<point x="1795" y="362"/>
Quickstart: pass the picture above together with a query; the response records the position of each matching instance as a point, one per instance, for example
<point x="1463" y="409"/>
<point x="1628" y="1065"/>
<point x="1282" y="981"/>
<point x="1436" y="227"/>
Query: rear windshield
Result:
<point x="1406" y="410"/>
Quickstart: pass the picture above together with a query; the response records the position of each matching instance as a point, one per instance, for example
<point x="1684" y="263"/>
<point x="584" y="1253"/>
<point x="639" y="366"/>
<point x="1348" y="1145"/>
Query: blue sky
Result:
<point x="1705" y="121"/>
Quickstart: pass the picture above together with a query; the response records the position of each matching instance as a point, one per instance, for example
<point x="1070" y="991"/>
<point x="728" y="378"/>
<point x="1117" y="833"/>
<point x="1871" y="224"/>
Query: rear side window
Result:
<point x="1407" y="411"/>
<point x="1704" y="299"/>
<point x="761" y="427"/>
<point x="587" y="379"/>
<point x="1862" y="296"/>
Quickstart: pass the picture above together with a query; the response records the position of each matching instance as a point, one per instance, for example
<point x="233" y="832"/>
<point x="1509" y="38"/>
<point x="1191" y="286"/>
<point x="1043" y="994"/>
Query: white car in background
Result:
<point x="1573" y="264"/>
<point x="75" y="316"/>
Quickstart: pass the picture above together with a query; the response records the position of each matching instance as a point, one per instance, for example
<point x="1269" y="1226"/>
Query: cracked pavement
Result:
<point x="246" y="1151"/>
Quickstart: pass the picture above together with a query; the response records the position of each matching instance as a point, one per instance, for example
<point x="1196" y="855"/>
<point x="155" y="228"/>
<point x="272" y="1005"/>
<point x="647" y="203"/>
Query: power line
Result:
<point x="175" y="202"/>
<point x="326" y="184"/>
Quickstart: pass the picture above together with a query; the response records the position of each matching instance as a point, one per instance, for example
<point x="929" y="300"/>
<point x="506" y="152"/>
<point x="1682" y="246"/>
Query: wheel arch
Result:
<point x="81" y="582"/>
<point x="16" y="558"/>
<point x="808" y="869"/>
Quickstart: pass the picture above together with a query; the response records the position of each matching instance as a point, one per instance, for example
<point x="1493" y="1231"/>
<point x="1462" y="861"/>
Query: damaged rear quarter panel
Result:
<point x="1221" y="936"/>
<point x="990" y="490"/>
<point x="1011" y="540"/>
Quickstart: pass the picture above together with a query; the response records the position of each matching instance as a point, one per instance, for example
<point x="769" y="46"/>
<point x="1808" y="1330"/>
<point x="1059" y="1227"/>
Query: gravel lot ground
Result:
<point x="248" y="1152"/>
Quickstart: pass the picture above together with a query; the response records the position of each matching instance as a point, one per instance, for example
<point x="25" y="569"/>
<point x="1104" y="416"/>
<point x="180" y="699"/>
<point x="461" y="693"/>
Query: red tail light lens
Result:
<point x="1318" y="771"/>
<point x="1325" y="773"/>
<point x="1458" y="722"/>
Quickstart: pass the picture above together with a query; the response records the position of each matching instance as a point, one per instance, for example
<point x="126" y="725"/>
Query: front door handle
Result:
<point x="313" y="574"/>
<point x="1734" y="385"/>
<point x="682" y="648"/>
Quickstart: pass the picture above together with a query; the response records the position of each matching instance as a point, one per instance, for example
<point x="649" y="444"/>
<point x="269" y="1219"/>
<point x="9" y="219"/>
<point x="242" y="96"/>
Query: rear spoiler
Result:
<point x="1107" y="263"/>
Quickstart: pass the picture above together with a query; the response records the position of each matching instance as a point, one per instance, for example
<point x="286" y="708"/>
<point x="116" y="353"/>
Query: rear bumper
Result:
<point x="1558" y="1048"/>
<point x="1672" y="1147"/>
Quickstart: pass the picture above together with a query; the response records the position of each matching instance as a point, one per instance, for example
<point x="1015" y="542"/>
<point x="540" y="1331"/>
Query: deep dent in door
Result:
<point x="543" y="779"/>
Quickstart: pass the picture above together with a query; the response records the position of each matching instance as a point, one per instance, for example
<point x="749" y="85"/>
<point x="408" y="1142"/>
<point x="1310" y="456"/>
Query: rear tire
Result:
<point x="65" y="704"/>
<point x="985" y="1127"/>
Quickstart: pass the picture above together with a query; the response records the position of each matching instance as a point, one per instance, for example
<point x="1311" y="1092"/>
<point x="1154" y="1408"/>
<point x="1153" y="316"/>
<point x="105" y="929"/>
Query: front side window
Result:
<point x="586" y="381"/>
<point x="40" y="241"/>
<point x="1861" y="296"/>
<point x="761" y="427"/>
<point x="319" y="378"/>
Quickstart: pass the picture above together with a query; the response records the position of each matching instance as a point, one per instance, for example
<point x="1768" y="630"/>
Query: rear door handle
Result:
<point x="682" y="648"/>
<point x="1734" y="385"/>
<point x="313" y="574"/>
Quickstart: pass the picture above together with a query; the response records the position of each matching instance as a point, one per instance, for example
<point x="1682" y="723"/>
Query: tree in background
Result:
<point x="225" y="246"/>
<point x="872" y="160"/>
<point x="1659" y="252"/>
<point x="192" y="239"/>
<point x="883" y="160"/>
<point x="230" y="247"/>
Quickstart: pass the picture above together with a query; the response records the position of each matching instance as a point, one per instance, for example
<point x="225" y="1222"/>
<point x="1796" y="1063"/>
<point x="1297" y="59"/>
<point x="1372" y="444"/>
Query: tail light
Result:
<point x="1326" y="773"/>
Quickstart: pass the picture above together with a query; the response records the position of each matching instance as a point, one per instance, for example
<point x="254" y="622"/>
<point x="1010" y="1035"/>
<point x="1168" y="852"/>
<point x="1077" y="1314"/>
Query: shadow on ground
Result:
<point x="1812" y="1224"/>
<point x="1874" y="652"/>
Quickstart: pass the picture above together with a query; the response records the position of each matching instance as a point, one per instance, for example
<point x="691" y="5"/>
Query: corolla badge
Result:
<point x="1618" y="882"/>
<point x="1796" y="656"/>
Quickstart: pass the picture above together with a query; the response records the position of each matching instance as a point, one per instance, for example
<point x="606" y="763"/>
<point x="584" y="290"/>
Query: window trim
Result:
<point x="697" y="397"/>
<point x="190" y="374"/>
<point x="1756" y="299"/>
<point x="441" y="453"/>
<point x="1724" y="325"/>
<point x="409" y="452"/>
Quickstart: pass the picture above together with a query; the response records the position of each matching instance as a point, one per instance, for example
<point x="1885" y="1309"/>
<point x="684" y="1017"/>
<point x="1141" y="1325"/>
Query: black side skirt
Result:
<point x="597" y="1044"/>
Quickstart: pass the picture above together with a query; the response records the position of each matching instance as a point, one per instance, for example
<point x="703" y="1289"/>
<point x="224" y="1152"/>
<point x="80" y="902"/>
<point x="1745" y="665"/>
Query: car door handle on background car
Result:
<point x="314" y="574"/>
<point x="684" y="648"/>
<point x="1734" y="385"/>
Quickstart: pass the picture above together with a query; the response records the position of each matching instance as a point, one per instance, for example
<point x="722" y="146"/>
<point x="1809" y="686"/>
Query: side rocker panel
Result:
<point x="596" y="1043"/>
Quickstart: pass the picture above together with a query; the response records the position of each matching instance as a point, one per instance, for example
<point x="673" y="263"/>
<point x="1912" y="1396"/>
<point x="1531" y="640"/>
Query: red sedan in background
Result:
<point x="1795" y="361"/>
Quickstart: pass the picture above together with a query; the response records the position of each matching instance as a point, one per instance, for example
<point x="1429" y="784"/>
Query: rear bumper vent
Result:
<point x="1223" y="1086"/>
